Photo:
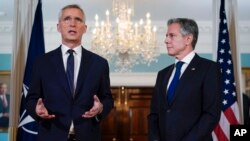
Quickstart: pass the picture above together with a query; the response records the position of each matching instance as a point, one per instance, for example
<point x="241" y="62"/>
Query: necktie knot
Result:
<point x="179" y="65"/>
<point x="70" y="51"/>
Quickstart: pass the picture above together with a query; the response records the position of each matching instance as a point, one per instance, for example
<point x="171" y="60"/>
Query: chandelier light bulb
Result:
<point x="94" y="31"/>
<point x="117" y="20"/>
<point x="141" y="21"/>
<point x="102" y="24"/>
<point x="107" y="12"/>
<point x="148" y="15"/>
<point x="136" y="25"/>
<point x="107" y="16"/>
<point x="154" y="29"/>
<point x="96" y="17"/>
<point x="129" y="11"/>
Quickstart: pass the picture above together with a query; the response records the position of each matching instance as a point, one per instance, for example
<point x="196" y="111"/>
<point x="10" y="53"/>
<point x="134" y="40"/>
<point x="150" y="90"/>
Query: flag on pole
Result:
<point x="27" y="128"/>
<point x="230" y="108"/>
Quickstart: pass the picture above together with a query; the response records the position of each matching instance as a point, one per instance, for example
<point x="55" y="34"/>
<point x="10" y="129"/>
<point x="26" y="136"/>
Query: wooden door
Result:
<point x="128" y="120"/>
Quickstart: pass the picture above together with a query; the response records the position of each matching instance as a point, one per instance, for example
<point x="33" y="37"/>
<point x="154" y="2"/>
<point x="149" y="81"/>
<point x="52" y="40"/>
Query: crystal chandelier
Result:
<point x="128" y="43"/>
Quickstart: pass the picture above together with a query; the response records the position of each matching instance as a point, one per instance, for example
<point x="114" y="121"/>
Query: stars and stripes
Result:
<point x="230" y="110"/>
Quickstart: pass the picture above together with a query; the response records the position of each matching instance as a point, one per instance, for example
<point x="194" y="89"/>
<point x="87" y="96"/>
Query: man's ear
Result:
<point x="85" y="29"/>
<point x="58" y="28"/>
<point x="189" y="39"/>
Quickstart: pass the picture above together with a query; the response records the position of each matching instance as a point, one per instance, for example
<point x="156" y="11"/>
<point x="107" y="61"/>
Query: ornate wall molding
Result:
<point x="52" y="38"/>
<point x="50" y="27"/>
<point x="6" y="28"/>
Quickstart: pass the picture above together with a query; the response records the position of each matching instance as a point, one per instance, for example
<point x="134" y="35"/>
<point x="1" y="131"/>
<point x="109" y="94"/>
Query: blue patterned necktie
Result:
<point x="70" y="69"/>
<point x="174" y="82"/>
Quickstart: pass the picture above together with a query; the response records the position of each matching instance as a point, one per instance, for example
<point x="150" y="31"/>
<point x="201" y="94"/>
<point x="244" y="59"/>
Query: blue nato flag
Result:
<point x="27" y="128"/>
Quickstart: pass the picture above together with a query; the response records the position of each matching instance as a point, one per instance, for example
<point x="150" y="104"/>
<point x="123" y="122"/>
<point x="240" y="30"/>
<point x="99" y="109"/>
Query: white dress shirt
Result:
<point x="77" y="62"/>
<point x="187" y="59"/>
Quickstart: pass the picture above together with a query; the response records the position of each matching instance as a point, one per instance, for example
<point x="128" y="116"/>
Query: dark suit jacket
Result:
<point x="196" y="105"/>
<point x="49" y="81"/>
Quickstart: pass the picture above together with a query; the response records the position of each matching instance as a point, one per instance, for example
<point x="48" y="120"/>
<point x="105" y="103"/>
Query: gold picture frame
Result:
<point x="5" y="78"/>
<point x="246" y="80"/>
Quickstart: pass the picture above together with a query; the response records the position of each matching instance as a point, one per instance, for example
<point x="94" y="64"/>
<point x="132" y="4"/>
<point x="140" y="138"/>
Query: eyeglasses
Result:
<point x="68" y="20"/>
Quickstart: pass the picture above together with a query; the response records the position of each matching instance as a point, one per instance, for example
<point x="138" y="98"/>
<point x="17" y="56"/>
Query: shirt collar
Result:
<point x="77" y="49"/>
<point x="187" y="59"/>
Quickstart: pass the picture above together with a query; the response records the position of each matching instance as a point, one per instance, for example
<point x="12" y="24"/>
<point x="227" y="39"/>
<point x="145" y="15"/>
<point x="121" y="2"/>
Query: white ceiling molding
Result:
<point x="6" y="27"/>
<point x="52" y="37"/>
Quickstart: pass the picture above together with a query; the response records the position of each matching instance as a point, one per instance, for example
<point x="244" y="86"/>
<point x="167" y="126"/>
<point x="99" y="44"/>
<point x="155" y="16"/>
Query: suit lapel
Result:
<point x="83" y="70"/>
<point x="61" y="74"/>
<point x="167" y="75"/>
<point x="187" y="76"/>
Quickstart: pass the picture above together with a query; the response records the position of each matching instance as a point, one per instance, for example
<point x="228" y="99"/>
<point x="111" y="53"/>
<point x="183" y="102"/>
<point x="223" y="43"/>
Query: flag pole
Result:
<point x="216" y="9"/>
<point x="22" y="25"/>
<point x="236" y="54"/>
<point x="23" y="127"/>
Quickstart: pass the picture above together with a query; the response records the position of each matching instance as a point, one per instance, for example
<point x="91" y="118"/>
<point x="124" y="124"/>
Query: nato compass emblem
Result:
<point x="26" y="122"/>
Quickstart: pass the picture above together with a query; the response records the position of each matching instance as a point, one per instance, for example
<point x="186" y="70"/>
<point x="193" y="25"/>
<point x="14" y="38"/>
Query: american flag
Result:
<point x="230" y="109"/>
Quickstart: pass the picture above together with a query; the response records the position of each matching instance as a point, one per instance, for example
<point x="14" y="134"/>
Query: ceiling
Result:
<point x="161" y="10"/>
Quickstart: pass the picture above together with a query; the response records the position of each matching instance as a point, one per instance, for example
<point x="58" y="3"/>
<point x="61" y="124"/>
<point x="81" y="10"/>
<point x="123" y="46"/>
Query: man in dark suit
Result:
<point x="70" y="97"/>
<point x="190" y="110"/>
<point x="4" y="105"/>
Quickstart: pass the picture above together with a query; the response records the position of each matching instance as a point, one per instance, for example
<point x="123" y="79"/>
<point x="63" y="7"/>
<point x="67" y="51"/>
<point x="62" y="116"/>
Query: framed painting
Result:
<point x="4" y="123"/>
<point x="246" y="80"/>
<point x="5" y="77"/>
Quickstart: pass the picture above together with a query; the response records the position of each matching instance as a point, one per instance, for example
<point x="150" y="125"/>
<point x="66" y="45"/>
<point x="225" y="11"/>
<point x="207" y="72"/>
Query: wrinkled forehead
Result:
<point x="67" y="12"/>
<point x="173" y="28"/>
